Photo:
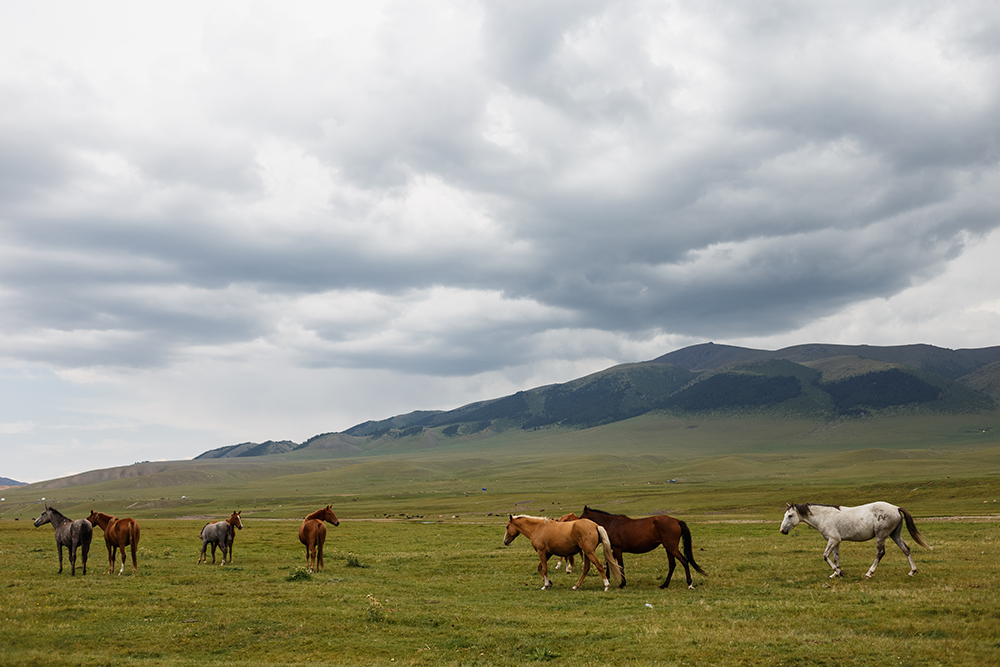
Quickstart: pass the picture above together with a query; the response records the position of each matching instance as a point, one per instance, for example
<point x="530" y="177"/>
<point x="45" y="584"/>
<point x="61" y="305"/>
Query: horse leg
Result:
<point x="121" y="547"/>
<point x="898" y="539"/>
<point x="673" y="555"/>
<point x="86" y="551"/>
<point x="879" y="552"/>
<point x="72" y="559"/>
<point x="671" y="564"/>
<point x="588" y="558"/>
<point x="319" y="555"/>
<point x="543" y="569"/>
<point x="111" y="557"/>
<point x="833" y="546"/>
<point x="60" y="557"/>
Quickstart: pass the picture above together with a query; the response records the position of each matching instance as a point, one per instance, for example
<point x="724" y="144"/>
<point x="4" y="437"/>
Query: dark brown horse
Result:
<point x="118" y="534"/>
<point x="221" y="534"/>
<point x="638" y="536"/>
<point x="69" y="533"/>
<point x="563" y="538"/>
<point x="312" y="533"/>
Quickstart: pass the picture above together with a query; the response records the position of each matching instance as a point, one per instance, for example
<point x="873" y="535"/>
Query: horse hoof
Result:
<point x="691" y="587"/>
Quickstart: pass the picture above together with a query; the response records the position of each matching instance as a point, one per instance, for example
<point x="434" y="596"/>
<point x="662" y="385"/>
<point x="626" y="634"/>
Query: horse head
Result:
<point x="235" y="521"/>
<point x="96" y="517"/>
<point x="328" y="515"/>
<point x="511" y="532"/>
<point x="44" y="518"/>
<point x="791" y="518"/>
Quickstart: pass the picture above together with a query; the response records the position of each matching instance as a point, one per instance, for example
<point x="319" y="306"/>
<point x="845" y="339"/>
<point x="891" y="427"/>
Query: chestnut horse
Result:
<point x="69" y="533"/>
<point x="221" y="534"/>
<point x="118" y="534"/>
<point x="312" y="533"/>
<point x="563" y="538"/>
<point x="638" y="536"/>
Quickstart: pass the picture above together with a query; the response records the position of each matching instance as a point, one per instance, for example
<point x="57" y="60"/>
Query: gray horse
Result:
<point x="220" y="534"/>
<point x="69" y="533"/>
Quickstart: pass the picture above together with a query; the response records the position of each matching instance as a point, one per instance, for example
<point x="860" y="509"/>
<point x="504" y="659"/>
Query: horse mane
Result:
<point x="56" y="512"/>
<point x="528" y="516"/>
<point x="804" y="508"/>
<point x="597" y="511"/>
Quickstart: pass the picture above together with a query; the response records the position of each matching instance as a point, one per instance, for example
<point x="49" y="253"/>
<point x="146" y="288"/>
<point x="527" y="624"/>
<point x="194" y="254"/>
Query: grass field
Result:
<point x="413" y="593"/>
<point x="416" y="573"/>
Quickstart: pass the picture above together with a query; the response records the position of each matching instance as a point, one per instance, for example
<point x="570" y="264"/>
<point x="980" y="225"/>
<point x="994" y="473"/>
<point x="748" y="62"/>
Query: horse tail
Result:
<point x="688" y="552"/>
<point x="133" y="534"/>
<point x="609" y="558"/>
<point x="912" y="528"/>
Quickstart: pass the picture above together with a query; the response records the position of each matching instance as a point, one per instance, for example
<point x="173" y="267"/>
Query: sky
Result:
<point x="240" y="221"/>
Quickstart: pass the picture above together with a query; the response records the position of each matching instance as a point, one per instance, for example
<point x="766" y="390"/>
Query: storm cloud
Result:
<point x="473" y="196"/>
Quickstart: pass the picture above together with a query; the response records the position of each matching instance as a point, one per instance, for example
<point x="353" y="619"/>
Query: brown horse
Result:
<point x="118" y="534"/>
<point x="638" y="536"/>
<point x="563" y="538"/>
<point x="221" y="534"/>
<point x="312" y="533"/>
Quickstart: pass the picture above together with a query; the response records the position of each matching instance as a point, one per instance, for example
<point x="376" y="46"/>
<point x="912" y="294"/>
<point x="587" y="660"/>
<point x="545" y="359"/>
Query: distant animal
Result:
<point x="221" y="534"/>
<point x="70" y="534"/>
<point x="118" y="534"/>
<point x="855" y="524"/>
<point x="568" y="559"/>
<point x="563" y="538"/>
<point x="312" y="533"/>
<point x="639" y="536"/>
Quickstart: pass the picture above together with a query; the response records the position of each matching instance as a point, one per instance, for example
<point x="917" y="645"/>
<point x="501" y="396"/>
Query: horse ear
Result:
<point x="788" y="506"/>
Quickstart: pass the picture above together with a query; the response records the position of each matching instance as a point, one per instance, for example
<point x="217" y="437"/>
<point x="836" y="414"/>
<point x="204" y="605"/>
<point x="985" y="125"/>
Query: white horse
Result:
<point x="855" y="524"/>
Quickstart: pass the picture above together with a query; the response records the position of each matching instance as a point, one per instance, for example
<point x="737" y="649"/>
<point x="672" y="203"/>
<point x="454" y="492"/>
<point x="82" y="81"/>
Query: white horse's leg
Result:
<point x="833" y="547"/>
<point x="898" y="539"/>
<point x="879" y="552"/>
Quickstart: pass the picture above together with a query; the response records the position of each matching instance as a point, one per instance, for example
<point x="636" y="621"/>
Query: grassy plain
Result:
<point x="416" y="573"/>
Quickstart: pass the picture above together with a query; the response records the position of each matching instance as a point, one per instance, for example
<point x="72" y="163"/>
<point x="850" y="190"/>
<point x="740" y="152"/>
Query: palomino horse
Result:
<point x="563" y="538"/>
<point x="69" y="533"/>
<point x="221" y="533"/>
<point x="638" y="536"/>
<point x="855" y="524"/>
<point x="568" y="559"/>
<point x="118" y="534"/>
<point x="312" y="533"/>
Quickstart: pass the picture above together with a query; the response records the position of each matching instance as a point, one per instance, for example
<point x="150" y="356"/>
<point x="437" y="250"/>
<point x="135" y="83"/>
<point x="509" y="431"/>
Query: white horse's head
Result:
<point x="791" y="518"/>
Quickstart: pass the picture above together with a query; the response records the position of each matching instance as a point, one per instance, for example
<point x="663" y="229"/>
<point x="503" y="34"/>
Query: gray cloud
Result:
<point x="638" y="169"/>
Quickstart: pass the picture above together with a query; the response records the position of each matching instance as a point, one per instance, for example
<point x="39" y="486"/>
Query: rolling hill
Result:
<point x="815" y="382"/>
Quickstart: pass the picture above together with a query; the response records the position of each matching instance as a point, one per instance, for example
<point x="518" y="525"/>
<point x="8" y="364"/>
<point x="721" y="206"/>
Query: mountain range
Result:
<point x="815" y="381"/>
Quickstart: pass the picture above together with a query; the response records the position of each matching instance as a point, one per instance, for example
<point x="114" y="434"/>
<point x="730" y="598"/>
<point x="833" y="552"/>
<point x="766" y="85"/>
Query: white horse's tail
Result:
<point x="912" y="528"/>
<point x="609" y="558"/>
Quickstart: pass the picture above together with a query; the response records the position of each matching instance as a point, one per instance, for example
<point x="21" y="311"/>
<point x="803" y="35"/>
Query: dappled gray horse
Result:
<point x="69" y="533"/>
<point x="855" y="524"/>
<point x="220" y="534"/>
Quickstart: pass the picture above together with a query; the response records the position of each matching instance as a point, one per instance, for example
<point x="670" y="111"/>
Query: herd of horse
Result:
<point x="565" y="537"/>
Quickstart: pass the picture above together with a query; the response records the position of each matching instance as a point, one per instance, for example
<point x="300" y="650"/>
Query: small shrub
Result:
<point x="541" y="654"/>
<point x="352" y="560"/>
<point x="299" y="574"/>
<point x="375" y="613"/>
